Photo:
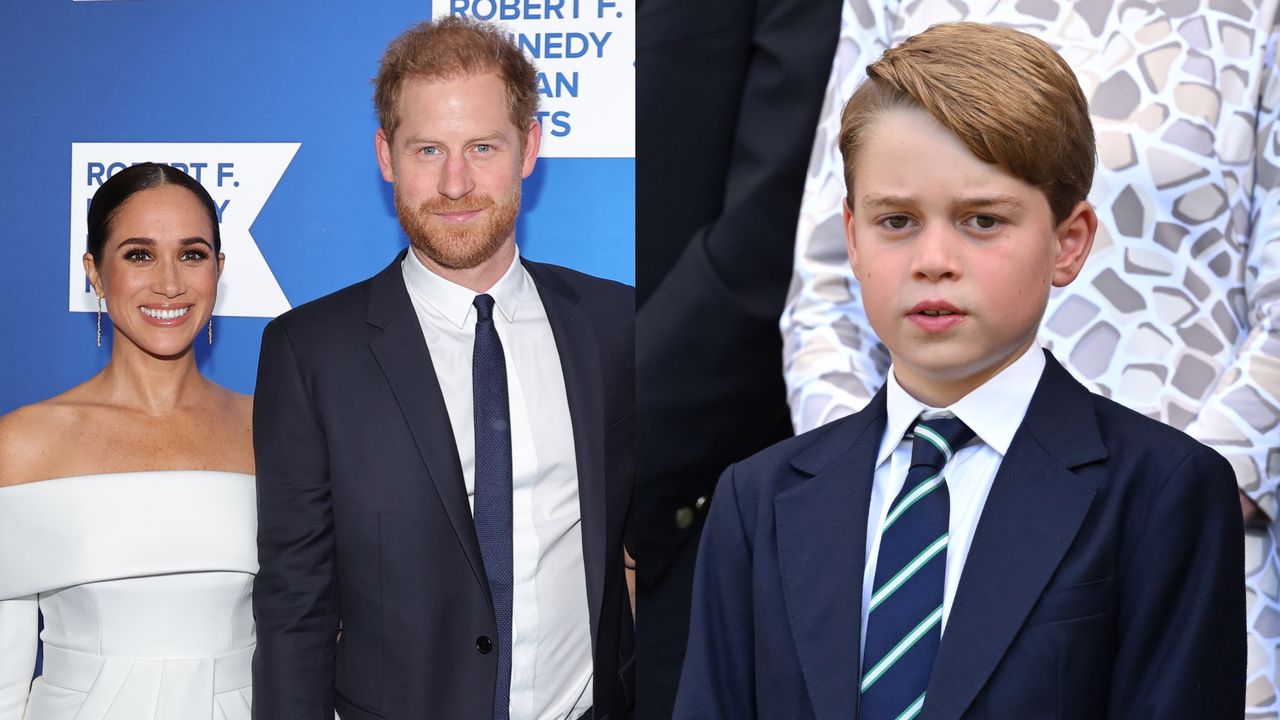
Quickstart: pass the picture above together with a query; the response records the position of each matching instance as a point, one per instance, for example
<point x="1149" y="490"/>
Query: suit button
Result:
<point x="484" y="644"/>
<point x="684" y="517"/>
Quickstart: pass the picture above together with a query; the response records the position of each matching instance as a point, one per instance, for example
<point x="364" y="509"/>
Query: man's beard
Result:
<point x="462" y="246"/>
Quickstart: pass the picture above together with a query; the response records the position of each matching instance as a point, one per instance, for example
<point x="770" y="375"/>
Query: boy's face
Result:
<point x="955" y="256"/>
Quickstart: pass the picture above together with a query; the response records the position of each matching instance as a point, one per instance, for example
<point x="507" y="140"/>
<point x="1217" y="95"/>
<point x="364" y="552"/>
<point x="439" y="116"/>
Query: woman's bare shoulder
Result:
<point x="34" y="437"/>
<point x="233" y="408"/>
<point x="234" y="428"/>
<point x="242" y="403"/>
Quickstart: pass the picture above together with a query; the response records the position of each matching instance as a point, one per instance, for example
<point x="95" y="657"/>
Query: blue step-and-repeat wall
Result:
<point x="268" y="104"/>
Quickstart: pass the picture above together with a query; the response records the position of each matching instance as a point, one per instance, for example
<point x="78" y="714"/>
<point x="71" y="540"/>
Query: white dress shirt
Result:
<point x="994" y="411"/>
<point x="551" y="665"/>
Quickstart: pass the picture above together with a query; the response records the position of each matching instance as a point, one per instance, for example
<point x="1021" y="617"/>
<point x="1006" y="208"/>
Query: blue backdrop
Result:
<point x="206" y="74"/>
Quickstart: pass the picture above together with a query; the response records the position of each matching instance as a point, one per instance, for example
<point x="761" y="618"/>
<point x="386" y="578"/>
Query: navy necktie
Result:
<point x="492" y="510"/>
<point x="904" y="620"/>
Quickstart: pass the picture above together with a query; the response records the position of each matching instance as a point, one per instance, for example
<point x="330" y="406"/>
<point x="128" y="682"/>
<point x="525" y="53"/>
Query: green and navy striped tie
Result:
<point x="904" y="621"/>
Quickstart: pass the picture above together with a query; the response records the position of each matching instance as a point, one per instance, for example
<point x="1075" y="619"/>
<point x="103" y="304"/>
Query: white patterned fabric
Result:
<point x="145" y="581"/>
<point x="1177" y="311"/>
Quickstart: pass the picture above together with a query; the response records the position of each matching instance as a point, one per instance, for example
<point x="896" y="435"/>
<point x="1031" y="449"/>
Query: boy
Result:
<point x="1080" y="560"/>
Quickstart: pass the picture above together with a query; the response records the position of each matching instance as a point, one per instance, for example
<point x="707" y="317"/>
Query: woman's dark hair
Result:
<point x="123" y="185"/>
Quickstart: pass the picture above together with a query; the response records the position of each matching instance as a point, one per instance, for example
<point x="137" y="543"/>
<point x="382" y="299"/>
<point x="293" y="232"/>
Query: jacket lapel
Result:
<point x="584" y="389"/>
<point x="822" y="534"/>
<point x="1036" y="505"/>
<point x="401" y="352"/>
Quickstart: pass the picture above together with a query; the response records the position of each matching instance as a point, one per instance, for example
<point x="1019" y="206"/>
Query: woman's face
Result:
<point x="159" y="274"/>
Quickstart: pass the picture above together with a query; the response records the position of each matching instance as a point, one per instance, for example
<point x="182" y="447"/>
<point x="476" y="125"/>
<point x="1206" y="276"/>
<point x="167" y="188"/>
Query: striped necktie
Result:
<point x="904" y="620"/>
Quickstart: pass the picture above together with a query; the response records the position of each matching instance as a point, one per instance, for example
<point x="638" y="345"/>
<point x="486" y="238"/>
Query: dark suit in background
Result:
<point x="1103" y="580"/>
<point x="363" y="512"/>
<point x="728" y="94"/>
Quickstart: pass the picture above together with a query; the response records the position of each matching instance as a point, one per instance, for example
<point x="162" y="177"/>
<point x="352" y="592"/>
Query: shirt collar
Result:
<point x="994" y="410"/>
<point x="452" y="301"/>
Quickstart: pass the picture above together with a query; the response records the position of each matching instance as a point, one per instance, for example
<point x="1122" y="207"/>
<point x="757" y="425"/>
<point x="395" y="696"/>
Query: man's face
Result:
<point x="457" y="162"/>
<point x="955" y="256"/>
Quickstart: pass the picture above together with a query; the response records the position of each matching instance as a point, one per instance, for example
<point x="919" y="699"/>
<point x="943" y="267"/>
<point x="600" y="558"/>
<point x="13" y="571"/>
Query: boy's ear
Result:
<point x="1074" y="240"/>
<point x="850" y="240"/>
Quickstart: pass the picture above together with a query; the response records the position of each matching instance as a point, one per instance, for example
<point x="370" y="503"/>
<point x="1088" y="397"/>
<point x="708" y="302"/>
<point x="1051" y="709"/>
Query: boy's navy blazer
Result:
<point x="1105" y="578"/>
<point x="363" y="512"/>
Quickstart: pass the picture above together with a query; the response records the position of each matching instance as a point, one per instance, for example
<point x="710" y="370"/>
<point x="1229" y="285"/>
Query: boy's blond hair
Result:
<point x="1006" y="95"/>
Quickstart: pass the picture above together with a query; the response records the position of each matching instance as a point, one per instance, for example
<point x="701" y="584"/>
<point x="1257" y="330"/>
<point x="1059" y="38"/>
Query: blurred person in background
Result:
<point x="730" y="94"/>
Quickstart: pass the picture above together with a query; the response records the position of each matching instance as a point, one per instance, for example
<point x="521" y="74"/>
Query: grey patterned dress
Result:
<point x="1177" y="311"/>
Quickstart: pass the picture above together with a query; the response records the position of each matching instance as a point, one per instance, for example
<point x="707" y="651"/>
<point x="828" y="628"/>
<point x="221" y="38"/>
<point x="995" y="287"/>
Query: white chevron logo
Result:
<point x="239" y="176"/>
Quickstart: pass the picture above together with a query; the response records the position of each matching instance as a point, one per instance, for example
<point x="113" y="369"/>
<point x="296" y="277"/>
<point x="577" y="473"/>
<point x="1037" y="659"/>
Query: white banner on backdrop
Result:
<point x="585" y="52"/>
<point x="239" y="176"/>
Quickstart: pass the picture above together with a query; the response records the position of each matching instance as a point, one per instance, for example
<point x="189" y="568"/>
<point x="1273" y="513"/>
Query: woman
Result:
<point x="127" y="503"/>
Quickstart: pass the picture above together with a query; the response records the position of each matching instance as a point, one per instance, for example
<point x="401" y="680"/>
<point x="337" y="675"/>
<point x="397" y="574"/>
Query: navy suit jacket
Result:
<point x="363" y="514"/>
<point x="1104" y="580"/>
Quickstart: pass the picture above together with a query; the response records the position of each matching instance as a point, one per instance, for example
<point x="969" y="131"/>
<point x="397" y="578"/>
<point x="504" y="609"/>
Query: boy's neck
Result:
<point x="942" y="392"/>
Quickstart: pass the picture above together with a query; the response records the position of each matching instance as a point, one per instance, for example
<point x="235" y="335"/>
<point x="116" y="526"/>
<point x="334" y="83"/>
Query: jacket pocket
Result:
<point x="1073" y="602"/>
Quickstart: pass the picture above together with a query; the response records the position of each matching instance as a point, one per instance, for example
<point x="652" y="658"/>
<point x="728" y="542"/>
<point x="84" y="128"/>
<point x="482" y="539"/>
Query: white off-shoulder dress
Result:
<point x="145" y="580"/>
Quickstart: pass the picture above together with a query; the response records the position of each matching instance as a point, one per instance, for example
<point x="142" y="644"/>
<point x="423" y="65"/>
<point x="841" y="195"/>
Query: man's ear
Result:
<point x="532" y="142"/>
<point x="382" y="146"/>
<point x="850" y="238"/>
<point x="1074" y="241"/>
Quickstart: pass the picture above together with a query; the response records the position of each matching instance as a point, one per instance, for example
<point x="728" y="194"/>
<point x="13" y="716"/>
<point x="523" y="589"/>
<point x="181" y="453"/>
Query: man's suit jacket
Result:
<point x="1103" y="580"/>
<point x="363" y="513"/>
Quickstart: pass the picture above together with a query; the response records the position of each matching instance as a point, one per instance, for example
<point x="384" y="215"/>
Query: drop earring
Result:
<point x="99" y="321"/>
<point x="211" y="331"/>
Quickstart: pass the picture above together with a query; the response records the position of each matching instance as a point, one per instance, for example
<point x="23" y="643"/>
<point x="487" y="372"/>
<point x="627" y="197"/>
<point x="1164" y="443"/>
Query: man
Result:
<point x="743" y="83"/>
<point x="445" y="450"/>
